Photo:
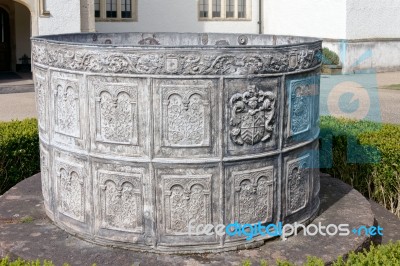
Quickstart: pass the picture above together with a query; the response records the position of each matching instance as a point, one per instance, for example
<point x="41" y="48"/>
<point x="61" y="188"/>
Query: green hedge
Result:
<point x="365" y="155"/>
<point x="20" y="262"/>
<point x="388" y="254"/>
<point x="19" y="152"/>
<point x="329" y="57"/>
<point x="382" y="255"/>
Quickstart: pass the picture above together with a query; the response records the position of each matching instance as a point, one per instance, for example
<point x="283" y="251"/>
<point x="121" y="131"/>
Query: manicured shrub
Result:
<point x="365" y="155"/>
<point x="388" y="254"/>
<point x="329" y="57"/>
<point x="19" y="152"/>
<point x="385" y="175"/>
<point x="382" y="255"/>
<point x="19" y="262"/>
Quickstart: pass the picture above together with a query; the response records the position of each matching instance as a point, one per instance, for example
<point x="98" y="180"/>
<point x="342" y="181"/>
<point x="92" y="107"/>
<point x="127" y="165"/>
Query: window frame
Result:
<point x="103" y="12"/>
<point x="43" y="12"/>
<point x="223" y="16"/>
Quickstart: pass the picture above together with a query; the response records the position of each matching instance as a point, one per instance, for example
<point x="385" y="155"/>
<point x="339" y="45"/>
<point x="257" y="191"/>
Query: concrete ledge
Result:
<point x="362" y="40"/>
<point x="39" y="238"/>
<point x="331" y="70"/>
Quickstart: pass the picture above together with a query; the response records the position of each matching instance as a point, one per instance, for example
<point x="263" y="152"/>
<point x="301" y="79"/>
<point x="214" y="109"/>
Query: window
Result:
<point x="203" y="8"/>
<point x="224" y="9"/>
<point x="216" y="8"/>
<point x="126" y="11"/>
<point x="230" y="8"/>
<point x="111" y="8"/>
<point x="242" y="9"/>
<point x="96" y="8"/>
<point x="115" y="10"/>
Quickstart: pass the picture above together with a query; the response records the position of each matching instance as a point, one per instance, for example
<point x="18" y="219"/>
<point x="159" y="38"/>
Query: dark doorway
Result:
<point x="5" y="47"/>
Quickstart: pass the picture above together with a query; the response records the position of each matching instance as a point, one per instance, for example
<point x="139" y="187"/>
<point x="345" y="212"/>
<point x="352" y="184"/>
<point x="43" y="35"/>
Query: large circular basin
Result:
<point x="145" y="137"/>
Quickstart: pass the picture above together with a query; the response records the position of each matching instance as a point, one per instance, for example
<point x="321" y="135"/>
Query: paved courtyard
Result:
<point x="17" y="106"/>
<point x="355" y="96"/>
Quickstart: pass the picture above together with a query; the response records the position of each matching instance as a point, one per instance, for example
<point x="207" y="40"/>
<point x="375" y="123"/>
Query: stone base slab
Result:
<point x="40" y="238"/>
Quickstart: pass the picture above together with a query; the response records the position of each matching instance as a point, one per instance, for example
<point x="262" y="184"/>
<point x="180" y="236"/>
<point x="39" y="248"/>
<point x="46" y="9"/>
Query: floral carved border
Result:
<point x="174" y="62"/>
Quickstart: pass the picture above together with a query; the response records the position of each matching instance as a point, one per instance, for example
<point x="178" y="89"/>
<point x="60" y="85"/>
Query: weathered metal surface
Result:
<point x="143" y="133"/>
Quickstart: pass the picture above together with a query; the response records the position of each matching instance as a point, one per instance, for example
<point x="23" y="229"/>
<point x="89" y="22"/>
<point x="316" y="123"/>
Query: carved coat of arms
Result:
<point x="252" y="114"/>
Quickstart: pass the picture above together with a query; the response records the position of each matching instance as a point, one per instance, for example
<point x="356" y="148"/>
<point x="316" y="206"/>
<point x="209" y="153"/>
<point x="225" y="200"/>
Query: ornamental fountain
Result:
<point x="142" y="133"/>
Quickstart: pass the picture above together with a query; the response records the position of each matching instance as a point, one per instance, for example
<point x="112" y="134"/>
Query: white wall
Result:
<point x="373" y="19"/>
<point x="316" y="18"/>
<point x="64" y="17"/>
<point x="377" y="23"/>
<point x="334" y="19"/>
<point x="375" y="56"/>
<point x="22" y="31"/>
<point x="177" y="16"/>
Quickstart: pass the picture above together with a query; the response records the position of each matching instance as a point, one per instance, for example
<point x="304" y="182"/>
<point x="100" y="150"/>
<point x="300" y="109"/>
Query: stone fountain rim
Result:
<point x="303" y="41"/>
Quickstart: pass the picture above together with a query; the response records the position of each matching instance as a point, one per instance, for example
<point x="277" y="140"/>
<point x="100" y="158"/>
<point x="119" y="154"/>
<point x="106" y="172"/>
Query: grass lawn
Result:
<point x="392" y="87"/>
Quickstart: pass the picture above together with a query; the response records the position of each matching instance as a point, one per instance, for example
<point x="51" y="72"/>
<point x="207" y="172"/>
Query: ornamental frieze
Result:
<point x="214" y="62"/>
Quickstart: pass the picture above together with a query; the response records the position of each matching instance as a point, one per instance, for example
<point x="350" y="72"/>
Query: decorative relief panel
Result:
<point x="252" y="114"/>
<point x="301" y="98"/>
<point x="254" y="192"/>
<point x="186" y="198"/>
<point x="41" y="86"/>
<point x="186" y="115"/>
<point x="121" y="200"/>
<point x="45" y="175"/>
<point x="39" y="52"/>
<point x="116" y="113"/>
<point x="66" y="106"/>
<point x="186" y="63"/>
<point x="71" y="190"/>
<point x="298" y="184"/>
<point x="119" y="115"/>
